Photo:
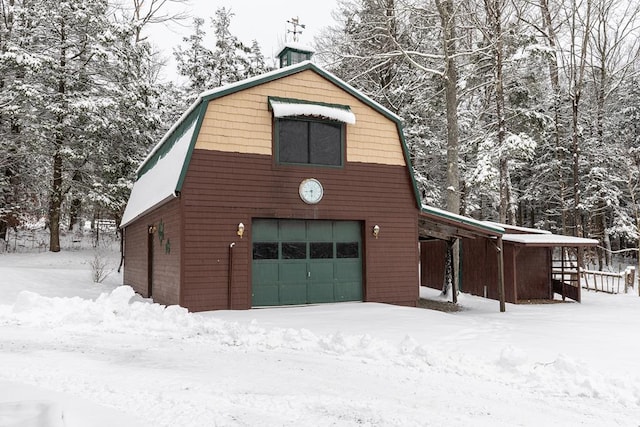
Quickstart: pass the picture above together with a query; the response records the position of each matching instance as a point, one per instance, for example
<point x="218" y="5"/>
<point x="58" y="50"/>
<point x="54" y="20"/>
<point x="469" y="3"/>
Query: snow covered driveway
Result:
<point x="115" y="359"/>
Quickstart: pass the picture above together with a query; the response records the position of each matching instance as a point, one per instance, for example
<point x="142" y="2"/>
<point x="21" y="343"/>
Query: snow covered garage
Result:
<point x="287" y="188"/>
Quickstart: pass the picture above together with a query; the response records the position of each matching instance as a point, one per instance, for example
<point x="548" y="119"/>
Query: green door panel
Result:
<point x="265" y="289"/>
<point x="348" y="291"/>
<point x="318" y="261"/>
<point x="265" y="273"/>
<point x="348" y="270"/>
<point x="293" y="293"/>
<point x="266" y="295"/>
<point x="320" y="231"/>
<point x="347" y="231"/>
<point x="320" y="281"/>
<point x="265" y="230"/>
<point x="293" y="230"/>
<point x="293" y="271"/>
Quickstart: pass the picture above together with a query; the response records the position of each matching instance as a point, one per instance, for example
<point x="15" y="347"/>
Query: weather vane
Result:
<point x="297" y="28"/>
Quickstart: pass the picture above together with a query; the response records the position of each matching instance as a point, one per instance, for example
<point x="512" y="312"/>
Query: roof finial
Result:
<point x="295" y="22"/>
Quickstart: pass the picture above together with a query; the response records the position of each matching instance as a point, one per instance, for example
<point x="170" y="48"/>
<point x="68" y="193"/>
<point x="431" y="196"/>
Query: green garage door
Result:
<point x="303" y="262"/>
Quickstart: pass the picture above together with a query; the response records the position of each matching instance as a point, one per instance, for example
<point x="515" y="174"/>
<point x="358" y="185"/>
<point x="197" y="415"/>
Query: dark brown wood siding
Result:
<point x="480" y="268"/>
<point x="534" y="273"/>
<point x="166" y="254"/>
<point x="432" y="260"/>
<point x="223" y="189"/>
<point x="527" y="272"/>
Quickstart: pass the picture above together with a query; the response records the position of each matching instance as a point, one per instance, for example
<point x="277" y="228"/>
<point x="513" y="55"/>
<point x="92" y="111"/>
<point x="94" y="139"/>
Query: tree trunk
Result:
<point x="578" y="62"/>
<point x="55" y="200"/>
<point x="445" y="8"/>
<point x="447" y="19"/>
<point x="575" y="152"/>
<point x="555" y="86"/>
<point x="494" y="14"/>
<point x="74" y="212"/>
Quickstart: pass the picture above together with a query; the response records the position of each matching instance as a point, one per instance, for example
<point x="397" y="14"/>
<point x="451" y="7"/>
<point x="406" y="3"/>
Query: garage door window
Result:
<point x="298" y="250"/>
<point x="265" y="251"/>
<point x="321" y="250"/>
<point x="347" y="250"/>
<point x="294" y="250"/>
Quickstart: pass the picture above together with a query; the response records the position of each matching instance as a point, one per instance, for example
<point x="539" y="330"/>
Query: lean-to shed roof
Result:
<point x="441" y="224"/>
<point x="548" y="240"/>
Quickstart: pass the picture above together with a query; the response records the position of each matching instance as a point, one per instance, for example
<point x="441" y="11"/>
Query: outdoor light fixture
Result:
<point x="376" y="230"/>
<point x="240" y="230"/>
<point x="152" y="229"/>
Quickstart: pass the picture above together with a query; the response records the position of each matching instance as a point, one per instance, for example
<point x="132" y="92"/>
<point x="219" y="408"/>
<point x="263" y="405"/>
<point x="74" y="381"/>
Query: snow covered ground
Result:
<point x="76" y="353"/>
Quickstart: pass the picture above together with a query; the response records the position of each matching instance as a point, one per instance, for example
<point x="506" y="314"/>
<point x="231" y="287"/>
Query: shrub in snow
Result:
<point x="99" y="267"/>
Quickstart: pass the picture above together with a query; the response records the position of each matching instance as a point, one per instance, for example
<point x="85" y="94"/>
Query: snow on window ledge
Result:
<point x="289" y="109"/>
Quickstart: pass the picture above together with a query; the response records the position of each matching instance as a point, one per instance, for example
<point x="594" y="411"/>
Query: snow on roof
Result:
<point x="229" y="88"/>
<point x="508" y="227"/>
<point x="296" y="46"/>
<point x="255" y="79"/>
<point x="292" y="108"/>
<point x="463" y="219"/>
<point x="212" y="93"/>
<point x="143" y="199"/>
<point x="158" y="184"/>
<point x="548" y="240"/>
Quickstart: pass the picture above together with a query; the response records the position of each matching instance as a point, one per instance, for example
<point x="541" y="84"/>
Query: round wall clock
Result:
<point x="311" y="191"/>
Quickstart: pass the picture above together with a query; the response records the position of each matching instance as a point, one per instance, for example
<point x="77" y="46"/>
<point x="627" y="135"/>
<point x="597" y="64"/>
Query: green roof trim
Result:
<point x="168" y="143"/>
<point x="200" y="111"/>
<point x="494" y="229"/>
<point x="296" y="48"/>
<point x="407" y="159"/>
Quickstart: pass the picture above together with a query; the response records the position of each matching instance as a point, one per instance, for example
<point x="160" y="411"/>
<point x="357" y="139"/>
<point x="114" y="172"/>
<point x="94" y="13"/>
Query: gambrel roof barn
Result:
<point x="288" y="188"/>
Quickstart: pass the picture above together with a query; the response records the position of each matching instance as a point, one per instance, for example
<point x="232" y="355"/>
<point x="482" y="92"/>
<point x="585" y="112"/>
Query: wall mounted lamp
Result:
<point x="152" y="229"/>
<point x="376" y="230"/>
<point x="240" y="230"/>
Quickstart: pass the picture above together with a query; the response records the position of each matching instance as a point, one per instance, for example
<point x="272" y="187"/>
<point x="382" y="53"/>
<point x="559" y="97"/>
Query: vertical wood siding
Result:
<point x="222" y="189"/>
<point x="527" y="273"/>
<point x="534" y="273"/>
<point x="432" y="260"/>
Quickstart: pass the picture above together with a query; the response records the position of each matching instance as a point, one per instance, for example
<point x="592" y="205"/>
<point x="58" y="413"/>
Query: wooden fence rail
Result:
<point x="604" y="281"/>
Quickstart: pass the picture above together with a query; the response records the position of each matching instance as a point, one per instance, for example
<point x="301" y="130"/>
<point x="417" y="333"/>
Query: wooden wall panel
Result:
<point x="241" y="122"/>
<point x="526" y="271"/>
<point x="533" y="277"/>
<point x="432" y="260"/>
<point x="480" y="269"/>
<point x="166" y="254"/>
<point x="135" y="256"/>
<point x="222" y="189"/>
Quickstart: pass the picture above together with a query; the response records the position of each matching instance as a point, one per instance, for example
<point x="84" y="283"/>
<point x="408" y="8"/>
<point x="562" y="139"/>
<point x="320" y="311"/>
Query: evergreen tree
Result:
<point x="228" y="61"/>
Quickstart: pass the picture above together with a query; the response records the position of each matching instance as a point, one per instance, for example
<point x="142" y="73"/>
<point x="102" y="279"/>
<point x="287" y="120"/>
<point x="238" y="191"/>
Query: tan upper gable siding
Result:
<point x="241" y="122"/>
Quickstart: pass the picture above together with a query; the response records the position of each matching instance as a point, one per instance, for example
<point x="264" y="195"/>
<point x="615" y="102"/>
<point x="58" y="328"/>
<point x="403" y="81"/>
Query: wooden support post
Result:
<point x="579" y="266"/>
<point x="455" y="268"/>
<point x="449" y="279"/>
<point x="501" y="275"/>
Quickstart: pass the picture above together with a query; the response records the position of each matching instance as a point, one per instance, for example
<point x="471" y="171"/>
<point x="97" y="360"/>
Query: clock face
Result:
<point x="311" y="191"/>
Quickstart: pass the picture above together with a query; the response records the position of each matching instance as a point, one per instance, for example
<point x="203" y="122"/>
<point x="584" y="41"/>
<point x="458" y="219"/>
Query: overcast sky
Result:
<point x="265" y="21"/>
